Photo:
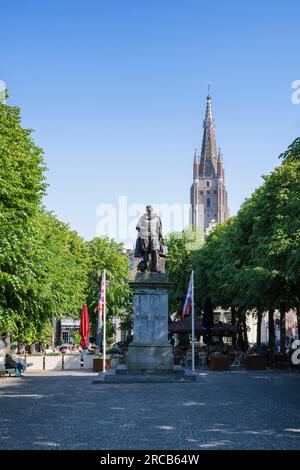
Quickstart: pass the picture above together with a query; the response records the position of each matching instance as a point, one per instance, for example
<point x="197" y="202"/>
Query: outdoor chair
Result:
<point x="188" y="359"/>
<point x="237" y="359"/>
<point x="202" y="360"/>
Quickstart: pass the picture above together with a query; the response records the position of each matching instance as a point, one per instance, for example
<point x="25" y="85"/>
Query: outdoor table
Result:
<point x="188" y="358"/>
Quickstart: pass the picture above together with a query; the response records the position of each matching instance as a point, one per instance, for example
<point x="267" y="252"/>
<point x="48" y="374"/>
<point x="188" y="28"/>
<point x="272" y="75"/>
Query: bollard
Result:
<point x="63" y="361"/>
<point x="81" y="360"/>
<point x="44" y="361"/>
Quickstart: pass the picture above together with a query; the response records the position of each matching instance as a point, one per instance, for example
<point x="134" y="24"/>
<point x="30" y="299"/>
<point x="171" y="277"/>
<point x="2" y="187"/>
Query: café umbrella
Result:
<point x="185" y="326"/>
<point x="84" y="329"/>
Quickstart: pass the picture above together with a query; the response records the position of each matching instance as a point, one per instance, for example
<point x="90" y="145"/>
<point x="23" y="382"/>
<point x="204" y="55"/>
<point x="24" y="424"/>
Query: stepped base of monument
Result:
<point x="124" y="375"/>
<point x="150" y="356"/>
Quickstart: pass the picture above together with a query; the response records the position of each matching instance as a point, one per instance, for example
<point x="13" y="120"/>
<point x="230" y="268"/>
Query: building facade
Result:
<point x="208" y="194"/>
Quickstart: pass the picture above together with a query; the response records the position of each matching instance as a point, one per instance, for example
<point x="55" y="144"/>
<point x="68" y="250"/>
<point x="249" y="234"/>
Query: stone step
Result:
<point x="124" y="375"/>
<point x="150" y="372"/>
<point x="144" y="378"/>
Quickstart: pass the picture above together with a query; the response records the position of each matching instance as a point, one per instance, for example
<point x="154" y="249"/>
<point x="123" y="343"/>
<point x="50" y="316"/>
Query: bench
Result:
<point x="12" y="371"/>
<point x="4" y="370"/>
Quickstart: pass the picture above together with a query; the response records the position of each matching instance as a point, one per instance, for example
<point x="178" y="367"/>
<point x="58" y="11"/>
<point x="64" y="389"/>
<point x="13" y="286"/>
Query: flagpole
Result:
<point x="100" y="319"/>
<point x="104" y="321"/>
<point x="193" y="325"/>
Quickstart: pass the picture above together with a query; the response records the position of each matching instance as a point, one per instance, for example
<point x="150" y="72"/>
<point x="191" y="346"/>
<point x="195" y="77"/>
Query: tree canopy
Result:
<point x="252" y="261"/>
<point x="46" y="269"/>
<point x="109" y="255"/>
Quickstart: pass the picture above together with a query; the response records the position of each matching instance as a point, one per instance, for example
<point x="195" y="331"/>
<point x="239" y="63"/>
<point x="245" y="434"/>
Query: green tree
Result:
<point x="22" y="186"/>
<point x="251" y="263"/>
<point x="109" y="255"/>
<point x="53" y="277"/>
<point x="181" y="249"/>
<point x="76" y="338"/>
<point x="275" y="242"/>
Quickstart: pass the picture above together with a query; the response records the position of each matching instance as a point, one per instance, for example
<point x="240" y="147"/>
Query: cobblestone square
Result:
<point x="222" y="410"/>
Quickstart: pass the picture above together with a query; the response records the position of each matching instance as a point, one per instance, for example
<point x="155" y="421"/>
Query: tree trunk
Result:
<point x="233" y="322"/>
<point x="282" y="328"/>
<point x="242" y="342"/>
<point x="297" y="321"/>
<point x="245" y="332"/>
<point x="271" y="328"/>
<point x="258" y="331"/>
<point x="6" y="340"/>
<point x="58" y="332"/>
<point x="21" y="347"/>
<point x="233" y="316"/>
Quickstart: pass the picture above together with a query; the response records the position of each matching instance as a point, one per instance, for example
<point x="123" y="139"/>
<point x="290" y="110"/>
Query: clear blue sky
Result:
<point x="116" y="90"/>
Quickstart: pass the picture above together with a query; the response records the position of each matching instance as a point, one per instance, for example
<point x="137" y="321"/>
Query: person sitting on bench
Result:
<point x="10" y="363"/>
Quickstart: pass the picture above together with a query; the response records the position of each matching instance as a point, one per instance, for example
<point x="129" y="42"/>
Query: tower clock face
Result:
<point x="208" y="168"/>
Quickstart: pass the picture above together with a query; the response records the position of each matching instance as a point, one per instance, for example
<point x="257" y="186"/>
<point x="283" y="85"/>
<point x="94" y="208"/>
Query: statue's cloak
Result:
<point x="149" y="234"/>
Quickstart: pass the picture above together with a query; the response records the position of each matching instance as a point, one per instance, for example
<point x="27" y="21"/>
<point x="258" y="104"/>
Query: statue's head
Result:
<point x="149" y="209"/>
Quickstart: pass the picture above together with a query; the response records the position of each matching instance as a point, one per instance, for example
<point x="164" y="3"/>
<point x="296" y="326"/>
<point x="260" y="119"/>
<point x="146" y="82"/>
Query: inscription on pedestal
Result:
<point x="151" y="317"/>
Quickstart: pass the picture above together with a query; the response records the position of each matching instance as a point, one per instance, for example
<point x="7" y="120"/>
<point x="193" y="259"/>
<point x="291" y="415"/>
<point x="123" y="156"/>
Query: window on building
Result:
<point x="207" y="184"/>
<point x="65" y="336"/>
<point x="208" y="202"/>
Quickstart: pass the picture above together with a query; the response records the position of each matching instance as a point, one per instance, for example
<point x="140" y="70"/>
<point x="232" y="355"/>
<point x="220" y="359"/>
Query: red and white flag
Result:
<point x="188" y="299"/>
<point x="101" y="297"/>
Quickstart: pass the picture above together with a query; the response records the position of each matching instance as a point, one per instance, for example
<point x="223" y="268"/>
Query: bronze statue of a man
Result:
<point x="149" y="241"/>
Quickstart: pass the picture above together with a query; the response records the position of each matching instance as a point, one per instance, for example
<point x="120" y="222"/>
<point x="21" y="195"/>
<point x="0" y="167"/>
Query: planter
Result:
<point x="256" y="362"/>
<point x="98" y="364"/>
<point x="280" y="361"/>
<point x="219" y="363"/>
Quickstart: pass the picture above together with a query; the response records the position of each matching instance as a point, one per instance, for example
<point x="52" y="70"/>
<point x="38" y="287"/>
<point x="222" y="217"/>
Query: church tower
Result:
<point x="208" y="193"/>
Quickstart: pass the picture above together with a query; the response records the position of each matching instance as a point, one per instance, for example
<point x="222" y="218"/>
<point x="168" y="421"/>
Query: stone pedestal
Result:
<point x="150" y="348"/>
<point x="150" y="356"/>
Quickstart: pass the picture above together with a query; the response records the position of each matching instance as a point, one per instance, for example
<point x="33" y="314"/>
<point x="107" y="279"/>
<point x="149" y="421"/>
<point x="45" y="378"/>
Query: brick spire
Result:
<point x="208" y="164"/>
